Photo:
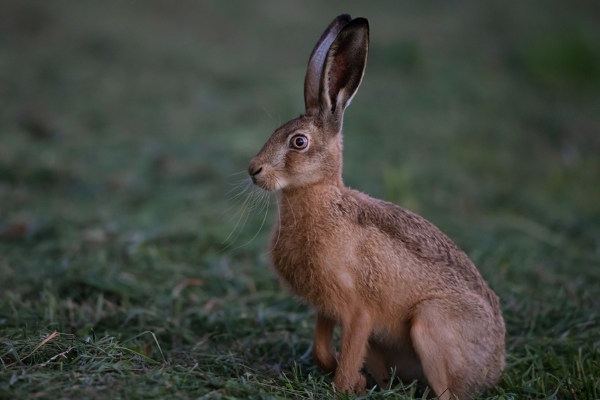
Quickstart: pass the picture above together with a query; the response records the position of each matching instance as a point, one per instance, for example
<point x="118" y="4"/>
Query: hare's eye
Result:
<point x="299" y="142"/>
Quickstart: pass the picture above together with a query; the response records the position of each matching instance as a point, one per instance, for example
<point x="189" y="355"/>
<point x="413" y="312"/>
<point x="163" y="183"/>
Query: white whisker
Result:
<point x="278" y="222"/>
<point x="264" y="196"/>
<point x="278" y="226"/>
<point x="243" y="211"/>
<point x="239" y="183"/>
<point x="261" y="225"/>
<point x="239" y="232"/>
<point x="236" y="202"/>
<point x="236" y="173"/>
<point x="258" y="200"/>
<point x="291" y="208"/>
<point x="248" y="185"/>
<point x="246" y="202"/>
<point x="270" y="116"/>
<point x="248" y="207"/>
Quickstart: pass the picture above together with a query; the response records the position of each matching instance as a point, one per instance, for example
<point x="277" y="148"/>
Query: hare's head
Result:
<point x="308" y="149"/>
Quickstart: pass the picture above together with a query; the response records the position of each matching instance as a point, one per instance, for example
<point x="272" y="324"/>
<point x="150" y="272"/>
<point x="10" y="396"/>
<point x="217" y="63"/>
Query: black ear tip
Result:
<point x="344" y="19"/>
<point x="361" y="22"/>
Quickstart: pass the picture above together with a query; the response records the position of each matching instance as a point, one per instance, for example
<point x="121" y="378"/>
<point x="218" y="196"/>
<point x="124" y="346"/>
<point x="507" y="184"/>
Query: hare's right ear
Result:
<point x="343" y="70"/>
<point x="316" y="61"/>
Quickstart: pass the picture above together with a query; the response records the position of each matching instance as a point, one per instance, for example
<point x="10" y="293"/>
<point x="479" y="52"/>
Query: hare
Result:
<point x="406" y="297"/>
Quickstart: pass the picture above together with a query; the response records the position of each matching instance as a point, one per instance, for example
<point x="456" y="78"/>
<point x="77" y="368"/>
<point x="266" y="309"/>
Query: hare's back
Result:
<point x="418" y="237"/>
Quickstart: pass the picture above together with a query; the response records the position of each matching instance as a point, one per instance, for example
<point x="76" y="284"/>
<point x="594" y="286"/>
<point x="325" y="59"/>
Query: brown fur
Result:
<point x="406" y="297"/>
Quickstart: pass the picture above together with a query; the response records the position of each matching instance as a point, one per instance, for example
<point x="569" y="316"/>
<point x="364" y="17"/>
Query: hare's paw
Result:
<point x="361" y="386"/>
<point x="356" y="384"/>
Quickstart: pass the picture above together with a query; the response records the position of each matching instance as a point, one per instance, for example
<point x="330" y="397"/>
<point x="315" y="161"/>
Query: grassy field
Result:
<point x="123" y="124"/>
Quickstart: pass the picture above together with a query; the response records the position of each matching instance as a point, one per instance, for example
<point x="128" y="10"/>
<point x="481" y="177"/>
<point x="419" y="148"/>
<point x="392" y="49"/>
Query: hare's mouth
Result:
<point x="266" y="177"/>
<point x="265" y="185"/>
<point x="269" y="182"/>
<point x="262" y="185"/>
<point x="261" y="180"/>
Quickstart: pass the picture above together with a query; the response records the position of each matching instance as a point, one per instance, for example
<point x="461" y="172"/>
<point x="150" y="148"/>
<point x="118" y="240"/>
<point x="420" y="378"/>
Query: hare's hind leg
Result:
<point x="455" y="345"/>
<point x="377" y="364"/>
<point x="398" y="357"/>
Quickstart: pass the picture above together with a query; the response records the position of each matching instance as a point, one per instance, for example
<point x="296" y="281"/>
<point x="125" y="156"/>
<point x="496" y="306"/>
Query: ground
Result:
<point x="125" y="131"/>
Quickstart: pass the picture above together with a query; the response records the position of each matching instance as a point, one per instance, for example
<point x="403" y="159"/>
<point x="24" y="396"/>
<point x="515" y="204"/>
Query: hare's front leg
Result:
<point x="323" y="352"/>
<point x="356" y="329"/>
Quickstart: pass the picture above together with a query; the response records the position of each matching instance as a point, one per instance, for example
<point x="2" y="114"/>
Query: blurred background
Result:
<point x="122" y="124"/>
<point x="135" y="113"/>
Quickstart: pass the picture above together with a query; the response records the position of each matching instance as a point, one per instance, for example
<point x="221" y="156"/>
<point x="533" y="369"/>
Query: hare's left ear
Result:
<point x="312" y="81"/>
<point x="343" y="69"/>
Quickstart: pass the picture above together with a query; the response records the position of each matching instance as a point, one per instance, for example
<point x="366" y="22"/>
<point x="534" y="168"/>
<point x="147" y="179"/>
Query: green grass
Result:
<point x="121" y="125"/>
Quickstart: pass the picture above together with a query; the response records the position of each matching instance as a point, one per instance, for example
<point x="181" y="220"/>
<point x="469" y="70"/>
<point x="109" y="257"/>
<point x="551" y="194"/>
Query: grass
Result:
<point x="121" y="125"/>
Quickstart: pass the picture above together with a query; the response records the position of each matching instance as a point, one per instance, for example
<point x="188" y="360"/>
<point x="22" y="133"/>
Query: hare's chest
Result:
<point x="313" y="263"/>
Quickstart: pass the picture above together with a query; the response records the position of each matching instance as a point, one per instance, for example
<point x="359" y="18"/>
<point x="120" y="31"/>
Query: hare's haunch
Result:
<point x="406" y="297"/>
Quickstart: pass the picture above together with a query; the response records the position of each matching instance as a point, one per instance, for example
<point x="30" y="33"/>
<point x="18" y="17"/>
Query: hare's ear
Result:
<point x="343" y="69"/>
<point x="316" y="61"/>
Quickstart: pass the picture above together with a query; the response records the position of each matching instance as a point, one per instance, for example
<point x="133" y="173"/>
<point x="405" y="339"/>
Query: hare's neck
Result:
<point x="309" y="202"/>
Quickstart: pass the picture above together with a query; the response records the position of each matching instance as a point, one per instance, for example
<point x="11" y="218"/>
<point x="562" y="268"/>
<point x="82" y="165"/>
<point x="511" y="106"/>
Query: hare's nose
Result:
<point x="253" y="170"/>
<point x="256" y="172"/>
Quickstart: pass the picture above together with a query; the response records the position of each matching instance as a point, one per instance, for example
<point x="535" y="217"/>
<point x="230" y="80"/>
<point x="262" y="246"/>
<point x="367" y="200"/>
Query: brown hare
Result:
<point x="406" y="297"/>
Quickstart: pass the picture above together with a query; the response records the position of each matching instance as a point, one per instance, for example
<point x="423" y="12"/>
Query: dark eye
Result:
<point x="299" y="142"/>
